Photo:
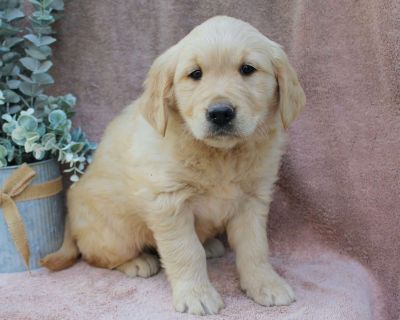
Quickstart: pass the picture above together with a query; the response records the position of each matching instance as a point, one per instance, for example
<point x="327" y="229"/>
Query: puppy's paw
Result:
<point x="214" y="248"/>
<point x="197" y="299"/>
<point x="145" y="265"/>
<point x="268" y="288"/>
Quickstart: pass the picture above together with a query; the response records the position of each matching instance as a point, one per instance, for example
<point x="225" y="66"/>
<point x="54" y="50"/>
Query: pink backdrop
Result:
<point x="339" y="187"/>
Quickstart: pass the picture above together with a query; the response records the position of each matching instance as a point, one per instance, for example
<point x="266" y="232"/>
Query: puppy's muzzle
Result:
<point x="220" y="114"/>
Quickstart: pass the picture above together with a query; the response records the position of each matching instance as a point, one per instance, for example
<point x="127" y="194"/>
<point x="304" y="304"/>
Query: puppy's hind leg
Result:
<point x="145" y="265"/>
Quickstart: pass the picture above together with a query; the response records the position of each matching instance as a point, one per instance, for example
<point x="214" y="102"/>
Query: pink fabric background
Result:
<point x="335" y="221"/>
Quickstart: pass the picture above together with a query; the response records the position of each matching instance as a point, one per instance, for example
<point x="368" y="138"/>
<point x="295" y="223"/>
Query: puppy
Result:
<point x="196" y="155"/>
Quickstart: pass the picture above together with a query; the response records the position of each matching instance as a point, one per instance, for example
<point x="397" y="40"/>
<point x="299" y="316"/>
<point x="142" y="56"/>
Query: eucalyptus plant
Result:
<point x="35" y="126"/>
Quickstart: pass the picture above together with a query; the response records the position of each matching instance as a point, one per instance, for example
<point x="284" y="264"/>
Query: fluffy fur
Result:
<point x="161" y="178"/>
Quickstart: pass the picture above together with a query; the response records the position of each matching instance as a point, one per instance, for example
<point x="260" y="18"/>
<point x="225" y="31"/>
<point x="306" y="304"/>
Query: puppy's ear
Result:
<point x="291" y="95"/>
<point x="158" y="92"/>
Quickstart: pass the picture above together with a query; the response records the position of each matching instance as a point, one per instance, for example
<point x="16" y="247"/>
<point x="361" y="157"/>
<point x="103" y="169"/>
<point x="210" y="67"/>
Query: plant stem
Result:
<point x="7" y="104"/>
<point x="24" y="101"/>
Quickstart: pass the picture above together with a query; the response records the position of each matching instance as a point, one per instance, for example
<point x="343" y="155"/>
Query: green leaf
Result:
<point x="45" y="50"/>
<point x="11" y="97"/>
<point x="8" y="144"/>
<point x="7" y="117"/>
<point x="57" y="117"/>
<point x="41" y="102"/>
<point x="76" y="147"/>
<point x="43" y="16"/>
<point x="8" y="127"/>
<point x="28" y="112"/>
<point x="10" y="56"/>
<point x="12" y="41"/>
<point x="14" y="109"/>
<point x="42" y="78"/>
<point x="69" y="157"/>
<point x="41" y="129"/>
<point x="35" y="2"/>
<point x="68" y="126"/>
<point x="29" y="89"/>
<point x="41" y="29"/>
<point x="3" y="163"/>
<point x="3" y="151"/>
<point x="13" y="84"/>
<point x="67" y="138"/>
<point x="58" y="5"/>
<point x="32" y="136"/>
<point x="7" y="69"/>
<point x="18" y="136"/>
<point x="11" y="153"/>
<point x="26" y="79"/>
<point x="4" y="50"/>
<point x="29" y="123"/>
<point x="42" y="41"/>
<point x="28" y="146"/>
<point x="30" y="63"/>
<point x="7" y="29"/>
<point x="67" y="101"/>
<point x="12" y="14"/>
<point x="36" y="53"/>
<point x="46" y="3"/>
<point x="49" y="141"/>
<point x="38" y="152"/>
<point x="34" y="39"/>
<point x="46" y="40"/>
<point x="44" y="67"/>
<point x="77" y="134"/>
<point x="47" y="137"/>
<point x="15" y="71"/>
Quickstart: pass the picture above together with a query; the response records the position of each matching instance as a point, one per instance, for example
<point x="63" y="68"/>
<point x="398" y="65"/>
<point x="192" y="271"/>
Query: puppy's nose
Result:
<point x="220" y="114"/>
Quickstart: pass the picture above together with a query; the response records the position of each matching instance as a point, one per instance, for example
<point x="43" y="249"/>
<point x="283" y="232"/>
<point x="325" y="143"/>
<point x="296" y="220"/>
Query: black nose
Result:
<point x="220" y="114"/>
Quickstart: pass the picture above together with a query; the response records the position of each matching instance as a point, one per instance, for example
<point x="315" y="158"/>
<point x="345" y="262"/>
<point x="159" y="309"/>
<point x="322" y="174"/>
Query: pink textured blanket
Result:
<point x="335" y="220"/>
<point x="328" y="286"/>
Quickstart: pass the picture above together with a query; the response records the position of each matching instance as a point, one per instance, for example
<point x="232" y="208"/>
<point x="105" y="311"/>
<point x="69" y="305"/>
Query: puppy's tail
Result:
<point x="66" y="256"/>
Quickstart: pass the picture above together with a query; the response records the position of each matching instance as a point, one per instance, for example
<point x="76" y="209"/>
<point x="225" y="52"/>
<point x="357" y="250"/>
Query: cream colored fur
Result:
<point x="160" y="180"/>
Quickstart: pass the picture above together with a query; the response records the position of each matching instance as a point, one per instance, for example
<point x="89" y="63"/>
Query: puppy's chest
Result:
<point x="220" y="179"/>
<point x="214" y="207"/>
<point x="220" y="188"/>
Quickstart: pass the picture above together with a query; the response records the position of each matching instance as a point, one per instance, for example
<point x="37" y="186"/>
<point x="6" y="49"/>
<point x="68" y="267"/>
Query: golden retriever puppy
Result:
<point x="196" y="155"/>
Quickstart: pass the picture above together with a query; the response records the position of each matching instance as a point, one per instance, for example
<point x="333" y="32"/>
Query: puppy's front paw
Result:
<point x="197" y="299"/>
<point x="268" y="288"/>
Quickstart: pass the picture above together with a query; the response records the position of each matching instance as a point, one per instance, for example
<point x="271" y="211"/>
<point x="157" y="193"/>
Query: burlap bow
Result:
<point x="17" y="188"/>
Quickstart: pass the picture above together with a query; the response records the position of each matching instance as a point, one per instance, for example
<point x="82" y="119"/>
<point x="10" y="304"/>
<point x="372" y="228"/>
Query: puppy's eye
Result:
<point x="247" y="69"/>
<point x="196" y="74"/>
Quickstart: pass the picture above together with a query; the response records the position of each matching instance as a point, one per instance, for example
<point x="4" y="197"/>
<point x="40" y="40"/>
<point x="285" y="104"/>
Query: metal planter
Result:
<point x="43" y="220"/>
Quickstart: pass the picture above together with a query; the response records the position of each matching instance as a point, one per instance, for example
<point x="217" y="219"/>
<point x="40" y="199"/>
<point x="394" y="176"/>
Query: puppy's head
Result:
<point x="225" y="80"/>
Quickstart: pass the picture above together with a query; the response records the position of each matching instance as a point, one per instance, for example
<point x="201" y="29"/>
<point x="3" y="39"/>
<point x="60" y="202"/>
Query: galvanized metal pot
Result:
<point x="43" y="220"/>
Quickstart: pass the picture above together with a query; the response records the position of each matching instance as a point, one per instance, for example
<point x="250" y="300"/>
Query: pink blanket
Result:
<point x="335" y="220"/>
<point x="328" y="287"/>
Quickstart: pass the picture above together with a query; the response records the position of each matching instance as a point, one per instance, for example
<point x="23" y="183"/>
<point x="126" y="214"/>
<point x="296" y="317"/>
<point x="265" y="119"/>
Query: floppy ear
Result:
<point x="291" y="95"/>
<point x="158" y="92"/>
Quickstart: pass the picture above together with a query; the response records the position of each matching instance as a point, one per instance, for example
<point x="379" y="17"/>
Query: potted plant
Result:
<point x="36" y="136"/>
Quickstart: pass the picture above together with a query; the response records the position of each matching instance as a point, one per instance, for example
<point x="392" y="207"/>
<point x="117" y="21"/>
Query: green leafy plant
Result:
<point x="35" y="126"/>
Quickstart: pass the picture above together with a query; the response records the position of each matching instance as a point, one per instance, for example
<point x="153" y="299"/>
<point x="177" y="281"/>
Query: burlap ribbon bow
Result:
<point x="17" y="188"/>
